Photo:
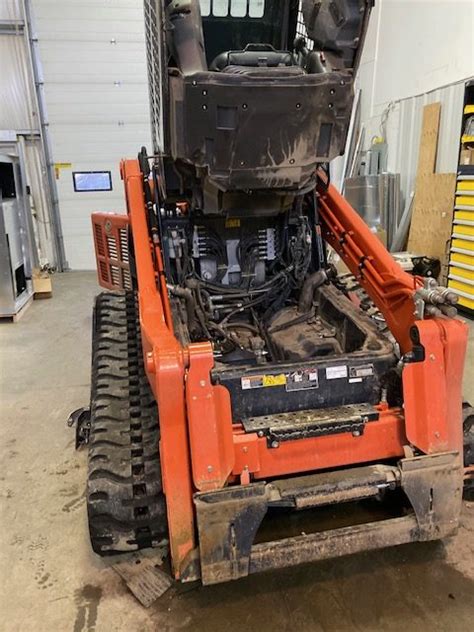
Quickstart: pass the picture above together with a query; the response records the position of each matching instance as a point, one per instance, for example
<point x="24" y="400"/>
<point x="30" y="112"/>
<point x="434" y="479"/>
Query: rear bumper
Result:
<point x="228" y="519"/>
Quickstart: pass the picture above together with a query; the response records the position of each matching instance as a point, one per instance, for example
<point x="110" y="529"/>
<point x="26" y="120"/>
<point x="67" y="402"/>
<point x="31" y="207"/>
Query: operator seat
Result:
<point x="258" y="60"/>
<point x="254" y="56"/>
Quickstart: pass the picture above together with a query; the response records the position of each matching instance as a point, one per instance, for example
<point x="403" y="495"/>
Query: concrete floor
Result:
<point x="52" y="582"/>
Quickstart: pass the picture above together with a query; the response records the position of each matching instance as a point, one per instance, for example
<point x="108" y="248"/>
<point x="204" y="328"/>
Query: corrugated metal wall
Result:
<point x="19" y="114"/>
<point x="403" y="130"/>
<point x="94" y="67"/>
<point x="16" y="93"/>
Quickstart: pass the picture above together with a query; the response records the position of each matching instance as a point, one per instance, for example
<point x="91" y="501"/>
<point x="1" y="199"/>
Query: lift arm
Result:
<point x="432" y="385"/>
<point x="391" y="288"/>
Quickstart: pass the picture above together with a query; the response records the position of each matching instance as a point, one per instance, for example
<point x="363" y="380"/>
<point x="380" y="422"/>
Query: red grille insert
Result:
<point x="110" y="232"/>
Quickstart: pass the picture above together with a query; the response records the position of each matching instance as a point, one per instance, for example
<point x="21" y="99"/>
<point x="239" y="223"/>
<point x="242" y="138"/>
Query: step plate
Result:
<point x="303" y="424"/>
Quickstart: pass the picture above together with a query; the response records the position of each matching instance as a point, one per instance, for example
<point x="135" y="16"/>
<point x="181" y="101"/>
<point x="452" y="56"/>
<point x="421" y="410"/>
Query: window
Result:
<point x="92" y="181"/>
<point x="205" y="8"/>
<point x="238" y="8"/>
<point x="220" y="8"/>
<point x="7" y="180"/>
<point x="256" y="8"/>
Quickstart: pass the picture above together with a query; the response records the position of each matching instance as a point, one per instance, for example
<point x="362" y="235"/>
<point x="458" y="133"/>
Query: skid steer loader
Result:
<point x="235" y="382"/>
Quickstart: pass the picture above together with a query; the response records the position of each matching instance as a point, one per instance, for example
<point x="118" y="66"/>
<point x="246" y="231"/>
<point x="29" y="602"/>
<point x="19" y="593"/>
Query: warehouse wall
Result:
<point x="17" y="101"/>
<point x="416" y="52"/>
<point x="413" y="47"/>
<point x="94" y="67"/>
<point x="19" y="114"/>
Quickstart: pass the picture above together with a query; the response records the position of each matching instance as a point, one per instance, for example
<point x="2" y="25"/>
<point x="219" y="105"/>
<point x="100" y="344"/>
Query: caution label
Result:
<point x="262" y="381"/>
<point x="336" y="372"/>
<point x="361" y="371"/>
<point x="303" y="379"/>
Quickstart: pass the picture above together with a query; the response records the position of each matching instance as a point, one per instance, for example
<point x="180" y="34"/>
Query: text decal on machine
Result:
<point x="294" y="381"/>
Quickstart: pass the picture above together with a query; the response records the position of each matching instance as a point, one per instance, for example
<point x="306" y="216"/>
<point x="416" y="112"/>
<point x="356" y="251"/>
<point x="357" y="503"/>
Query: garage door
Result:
<point x="94" y="66"/>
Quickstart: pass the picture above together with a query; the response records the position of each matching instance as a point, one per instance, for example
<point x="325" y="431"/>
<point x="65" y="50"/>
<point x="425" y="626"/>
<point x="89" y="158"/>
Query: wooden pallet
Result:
<point x="14" y="318"/>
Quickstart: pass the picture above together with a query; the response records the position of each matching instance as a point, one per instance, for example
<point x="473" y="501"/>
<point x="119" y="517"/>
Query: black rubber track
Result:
<point x="125" y="503"/>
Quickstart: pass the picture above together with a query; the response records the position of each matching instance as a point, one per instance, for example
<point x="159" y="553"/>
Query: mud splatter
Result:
<point x="67" y="492"/>
<point x="39" y="544"/>
<point x="74" y="504"/>
<point x="17" y="540"/>
<point x="42" y="576"/>
<point x="87" y="600"/>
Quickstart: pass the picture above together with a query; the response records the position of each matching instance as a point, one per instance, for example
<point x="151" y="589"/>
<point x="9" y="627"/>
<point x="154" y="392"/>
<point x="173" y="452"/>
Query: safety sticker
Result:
<point x="232" y="222"/>
<point x="336" y="372"/>
<point x="361" y="371"/>
<point x="262" y="381"/>
<point x="303" y="379"/>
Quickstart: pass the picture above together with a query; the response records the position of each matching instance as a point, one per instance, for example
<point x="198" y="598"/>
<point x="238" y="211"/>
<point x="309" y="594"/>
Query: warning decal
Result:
<point x="262" y="381"/>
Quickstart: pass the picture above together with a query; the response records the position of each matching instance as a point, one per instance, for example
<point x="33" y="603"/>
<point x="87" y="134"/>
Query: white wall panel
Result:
<point x="417" y="52"/>
<point x="412" y="48"/>
<point x="17" y="109"/>
<point x="94" y="66"/>
<point x="10" y="10"/>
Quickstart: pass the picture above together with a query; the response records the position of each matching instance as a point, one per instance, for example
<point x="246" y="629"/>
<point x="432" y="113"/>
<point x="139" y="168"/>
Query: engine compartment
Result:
<point x="259" y="289"/>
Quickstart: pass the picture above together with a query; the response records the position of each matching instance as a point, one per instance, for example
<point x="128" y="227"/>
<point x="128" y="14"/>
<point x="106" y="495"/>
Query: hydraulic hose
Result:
<point x="311" y="284"/>
<point x="186" y="293"/>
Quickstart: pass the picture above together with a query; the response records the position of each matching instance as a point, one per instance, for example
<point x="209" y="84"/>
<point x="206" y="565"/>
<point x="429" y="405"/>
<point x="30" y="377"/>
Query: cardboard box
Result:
<point x="467" y="157"/>
<point x="42" y="286"/>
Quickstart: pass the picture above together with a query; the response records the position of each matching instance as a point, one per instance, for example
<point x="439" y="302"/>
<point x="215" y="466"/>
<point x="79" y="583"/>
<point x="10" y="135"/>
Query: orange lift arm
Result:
<point x="432" y="385"/>
<point x="391" y="288"/>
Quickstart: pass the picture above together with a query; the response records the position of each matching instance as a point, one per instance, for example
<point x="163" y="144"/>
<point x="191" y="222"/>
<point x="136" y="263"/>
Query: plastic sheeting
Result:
<point x="16" y="92"/>
<point x="17" y="99"/>
<point x="10" y="10"/>
<point x="18" y="113"/>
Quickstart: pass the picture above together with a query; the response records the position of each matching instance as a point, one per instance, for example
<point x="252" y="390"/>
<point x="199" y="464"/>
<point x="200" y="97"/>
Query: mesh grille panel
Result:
<point x="301" y="29"/>
<point x="99" y="239"/>
<point x="153" y="34"/>
<point x="123" y="244"/>
<point x="112" y="247"/>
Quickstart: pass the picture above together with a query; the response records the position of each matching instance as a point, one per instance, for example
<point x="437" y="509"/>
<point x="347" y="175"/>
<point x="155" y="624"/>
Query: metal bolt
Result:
<point x="244" y="106"/>
<point x="298" y="105"/>
<point x="330" y="106"/>
<point x="209" y="468"/>
<point x="292" y="161"/>
<point x="204" y="107"/>
<point x="202" y="383"/>
<point x="260" y="433"/>
<point x="432" y="357"/>
<point x="245" y="449"/>
<point x="204" y="93"/>
<point x="242" y="163"/>
<point x="365" y="419"/>
<point x="332" y="91"/>
<point x="194" y="82"/>
<point x="356" y="433"/>
<point x="275" y="444"/>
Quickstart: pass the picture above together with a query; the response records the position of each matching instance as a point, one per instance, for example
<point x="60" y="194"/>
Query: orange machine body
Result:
<point x="203" y="447"/>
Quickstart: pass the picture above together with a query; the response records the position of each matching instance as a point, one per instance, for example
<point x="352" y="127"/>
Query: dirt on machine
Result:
<point x="236" y="382"/>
